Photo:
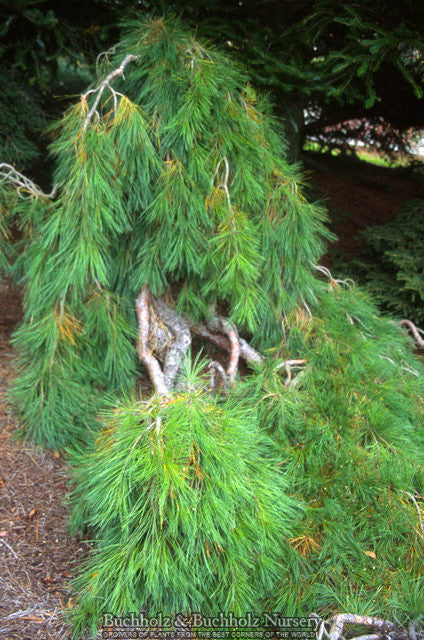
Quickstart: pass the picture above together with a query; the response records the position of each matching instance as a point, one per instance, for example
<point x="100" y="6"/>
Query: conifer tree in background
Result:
<point x="177" y="214"/>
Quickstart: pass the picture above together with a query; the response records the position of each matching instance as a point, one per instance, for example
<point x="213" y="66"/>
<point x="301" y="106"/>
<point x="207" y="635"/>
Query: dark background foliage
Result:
<point x="353" y="69"/>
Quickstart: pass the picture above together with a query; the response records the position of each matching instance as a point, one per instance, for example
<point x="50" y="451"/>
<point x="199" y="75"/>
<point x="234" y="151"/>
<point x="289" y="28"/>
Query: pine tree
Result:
<point x="346" y="419"/>
<point x="177" y="183"/>
<point x="178" y="215"/>
<point x="216" y="537"/>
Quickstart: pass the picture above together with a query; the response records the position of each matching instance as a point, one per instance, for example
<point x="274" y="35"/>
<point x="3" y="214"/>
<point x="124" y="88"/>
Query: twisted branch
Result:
<point x="216" y="323"/>
<point x="150" y="362"/>
<point x="246" y="351"/>
<point x="10" y="174"/>
<point x="382" y="629"/>
<point x="232" y="335"/>
<point x="164" y="331"/>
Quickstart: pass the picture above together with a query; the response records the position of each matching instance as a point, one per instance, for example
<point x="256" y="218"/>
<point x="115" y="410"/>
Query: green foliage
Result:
<point x="368" y="44"/>
<point x="321" y="48"/>
<point x="351" y="437"/>
<point x="391" y="263"/>
<point x="177" y="179"/>
<point x="348" y="444"/>
<point x="188" y="505"/>
<point x="9" y="207"/>
<point x="357" y="63"/>
<point x="135" y="201"/>
<point x="34" y="34"/>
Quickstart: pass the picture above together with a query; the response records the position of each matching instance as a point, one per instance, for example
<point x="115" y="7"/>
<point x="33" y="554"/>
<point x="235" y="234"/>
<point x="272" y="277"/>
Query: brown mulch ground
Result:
<point x="358" y="194"/>
<point x="36" y="554"/>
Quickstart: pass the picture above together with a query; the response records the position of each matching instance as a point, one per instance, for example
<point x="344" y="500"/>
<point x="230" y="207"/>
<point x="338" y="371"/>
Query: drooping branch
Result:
<point x="416" y="332"/>
<point x="8" y="173"/>
<point x="148" y="359"/>
<point x="102" y="86"/>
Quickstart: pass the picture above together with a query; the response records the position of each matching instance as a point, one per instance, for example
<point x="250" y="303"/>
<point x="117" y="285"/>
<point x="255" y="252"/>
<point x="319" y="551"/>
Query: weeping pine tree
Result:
<point x="282" y="469"/>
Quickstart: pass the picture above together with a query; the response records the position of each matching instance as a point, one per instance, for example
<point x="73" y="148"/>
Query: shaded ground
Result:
<point x="36" y="554"/>
<point x="37" y="557"/>
<point x="358" y="194"/>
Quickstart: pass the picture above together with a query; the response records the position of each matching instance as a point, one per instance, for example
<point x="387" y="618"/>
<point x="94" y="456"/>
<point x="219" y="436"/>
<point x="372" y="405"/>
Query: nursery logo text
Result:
<point x="222" y="626"/>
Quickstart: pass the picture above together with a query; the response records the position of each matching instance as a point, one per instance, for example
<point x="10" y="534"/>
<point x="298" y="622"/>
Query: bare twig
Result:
<point x="224" y="183"/>
<point x="9" y="547"/>
<point x="416" y="332"/>
<point x="8" y="173"/>
<point x="216" y="366"/>
<point x="418" y="510"/>
<point x="106" y="84"/>
<point x="288" y="366"/>
<point x="338" y="622"/>
<point x="152" y="365"/>
<point x="332" y="281"/>
<point x="103" y="57"/>
<point x="406" y="368"/>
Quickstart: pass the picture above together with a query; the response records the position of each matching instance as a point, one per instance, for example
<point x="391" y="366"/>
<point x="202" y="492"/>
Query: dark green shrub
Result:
<point x="391" y="263"/>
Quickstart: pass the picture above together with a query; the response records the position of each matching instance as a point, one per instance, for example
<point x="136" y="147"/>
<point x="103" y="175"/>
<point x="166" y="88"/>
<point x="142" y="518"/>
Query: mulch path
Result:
<point x="37" y="556"/>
